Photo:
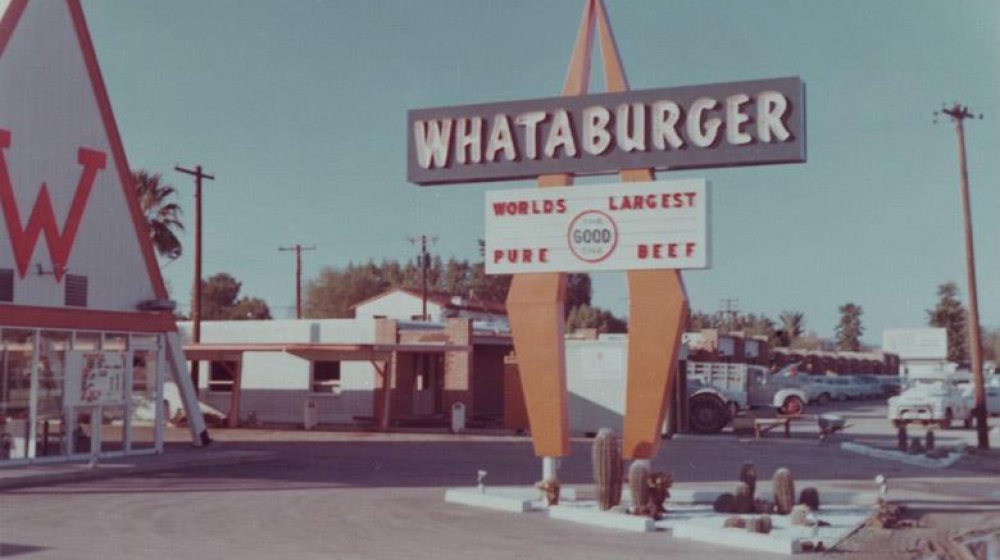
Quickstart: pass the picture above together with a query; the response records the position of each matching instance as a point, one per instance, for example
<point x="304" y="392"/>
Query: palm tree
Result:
<point x="162" y="217"/>
<point x="793" y="325"/>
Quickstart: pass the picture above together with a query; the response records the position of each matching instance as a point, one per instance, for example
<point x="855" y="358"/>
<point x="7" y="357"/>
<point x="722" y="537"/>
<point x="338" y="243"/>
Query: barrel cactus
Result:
<point x="638" y="485"/>
<point x="810" y="497"/>
<point x="725" y="503"/>
<point x="784" y="491"/>
<point x="744" y="499"/>
<point x="606" y="457"/>
<point x="762" y="524"/>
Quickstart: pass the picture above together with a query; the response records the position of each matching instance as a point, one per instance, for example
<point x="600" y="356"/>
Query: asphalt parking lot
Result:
<point x="329" y="494"/>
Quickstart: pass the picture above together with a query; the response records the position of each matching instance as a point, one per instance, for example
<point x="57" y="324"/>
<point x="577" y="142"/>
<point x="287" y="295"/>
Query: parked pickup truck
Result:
<point x="722" y="390"/>
<point x="930" y="401"/>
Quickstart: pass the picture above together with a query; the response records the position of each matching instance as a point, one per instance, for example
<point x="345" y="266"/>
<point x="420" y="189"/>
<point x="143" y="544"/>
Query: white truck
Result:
<point x="717" y="392"/>
<point x="931" y="400"/>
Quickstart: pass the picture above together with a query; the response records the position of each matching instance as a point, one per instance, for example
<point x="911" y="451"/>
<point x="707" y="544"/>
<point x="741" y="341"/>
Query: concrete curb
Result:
<point x="58" y="473"/>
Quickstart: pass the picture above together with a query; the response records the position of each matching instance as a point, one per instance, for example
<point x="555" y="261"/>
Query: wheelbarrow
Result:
<point x="830" y="424"/>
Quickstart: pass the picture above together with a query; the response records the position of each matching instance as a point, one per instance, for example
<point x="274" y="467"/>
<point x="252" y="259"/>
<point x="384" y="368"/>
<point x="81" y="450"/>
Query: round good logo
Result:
<point x="592" y="236"/>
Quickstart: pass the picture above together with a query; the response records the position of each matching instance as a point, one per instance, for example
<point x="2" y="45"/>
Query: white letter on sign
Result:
<point x="596" y="138"/>
<point x="702" y="137"/>
<point x="530" y="122"/>
<point x="469" y="138"/>
<point x="734" y="118"/>
<point x="560" y="135"/>
<point x="500" y="139"/>
<point x="771" y="106"/>
<point x="432" y="139"/>
<point x="637" y="139"/>
<point x="665" y="117"/>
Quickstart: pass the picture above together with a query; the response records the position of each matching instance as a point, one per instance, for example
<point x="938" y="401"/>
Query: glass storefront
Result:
<point x="71" y="394"/>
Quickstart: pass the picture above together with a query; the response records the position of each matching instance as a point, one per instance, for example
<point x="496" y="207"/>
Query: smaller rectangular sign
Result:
<point x="621" y="226"/>
<point x="95" y="378"/>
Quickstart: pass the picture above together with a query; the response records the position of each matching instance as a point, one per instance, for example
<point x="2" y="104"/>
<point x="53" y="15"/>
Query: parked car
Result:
<point x="825" y="388"/>
<point x="870" y="386"/>
<point x="992" y="397"/>
<point x="891" y="385"/>
<point x="930" y="401"/>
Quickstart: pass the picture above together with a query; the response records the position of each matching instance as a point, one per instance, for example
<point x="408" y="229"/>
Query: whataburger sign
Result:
<point x="718" y="125"/>
<point x="652" y="225"/>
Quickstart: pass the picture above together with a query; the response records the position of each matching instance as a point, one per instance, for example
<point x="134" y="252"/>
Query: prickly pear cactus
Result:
<point x="784" y="491"/>
<point x="748" y="474"/>
<point x="606" y="457"/>
<point x="638" y="484"/>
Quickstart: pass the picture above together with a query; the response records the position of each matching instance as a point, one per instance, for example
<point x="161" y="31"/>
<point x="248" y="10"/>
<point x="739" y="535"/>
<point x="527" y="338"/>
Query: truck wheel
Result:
<point x="946" y="422"/>
<point x="792" y="405"/>
<point x="707" y="415"/>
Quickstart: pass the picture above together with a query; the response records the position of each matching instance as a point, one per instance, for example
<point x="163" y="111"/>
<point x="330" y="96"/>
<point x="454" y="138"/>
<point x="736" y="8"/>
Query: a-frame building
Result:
<point x="87" y="334"/>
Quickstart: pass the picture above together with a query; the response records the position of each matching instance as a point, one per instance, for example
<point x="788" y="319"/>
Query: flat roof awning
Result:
<point x="316" y="351"/>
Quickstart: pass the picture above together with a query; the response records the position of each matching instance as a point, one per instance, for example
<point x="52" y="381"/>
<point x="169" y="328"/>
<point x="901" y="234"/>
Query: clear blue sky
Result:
<point x="298" y="108"/>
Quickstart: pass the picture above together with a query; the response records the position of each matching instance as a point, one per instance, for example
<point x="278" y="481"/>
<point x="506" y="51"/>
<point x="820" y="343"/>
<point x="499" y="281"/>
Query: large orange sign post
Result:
<point x="657" y="308"/>
<point x="628" y="132"/>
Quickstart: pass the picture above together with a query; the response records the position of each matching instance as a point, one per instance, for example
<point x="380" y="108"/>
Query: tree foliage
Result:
<point x="586" y="317"/>
<point x="793" y="326"/>
<point x="750" y="324"/>
<point x="849" y="330"/>
<point x="220" y="300"/>
<point x="334" y="291"/>
<point x="162" y="216"/>
<point x="949" y="314"/>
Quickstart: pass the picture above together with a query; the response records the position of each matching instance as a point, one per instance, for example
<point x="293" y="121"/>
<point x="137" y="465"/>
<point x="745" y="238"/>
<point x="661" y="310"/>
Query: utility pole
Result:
<point x="730" y="308"/>
<point x="958" y="114"/>
<point x="298" y="274"/>
<point x="425" y="263"/>
<point x="198" y="174"/>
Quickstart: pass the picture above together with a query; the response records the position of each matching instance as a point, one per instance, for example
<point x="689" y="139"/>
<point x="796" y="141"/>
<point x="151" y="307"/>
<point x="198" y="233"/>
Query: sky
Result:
<point x="299" y="110"/>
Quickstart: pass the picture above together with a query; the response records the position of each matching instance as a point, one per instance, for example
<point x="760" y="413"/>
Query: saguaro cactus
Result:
<point x="638" y="485"/>
<point x="748" y="474"/>
<point x="606" y="457"/>
<point x="784" y="491"/>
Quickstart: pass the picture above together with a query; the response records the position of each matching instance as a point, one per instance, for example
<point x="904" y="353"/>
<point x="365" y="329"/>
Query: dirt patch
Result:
<point x="936" y="535"/>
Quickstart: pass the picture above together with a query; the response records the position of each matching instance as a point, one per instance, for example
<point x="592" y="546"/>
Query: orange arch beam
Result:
<point x="657" y="309"/>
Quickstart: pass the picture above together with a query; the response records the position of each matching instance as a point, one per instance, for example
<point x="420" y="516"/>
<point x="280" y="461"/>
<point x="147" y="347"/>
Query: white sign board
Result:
<point x="622" y="226"/>
<point x="916" y="344"/>
<point x="95" y="378"/>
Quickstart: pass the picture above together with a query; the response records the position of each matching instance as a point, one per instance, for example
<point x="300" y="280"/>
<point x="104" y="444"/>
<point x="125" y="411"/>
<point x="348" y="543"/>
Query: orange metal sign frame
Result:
<point x="657" y="308"/>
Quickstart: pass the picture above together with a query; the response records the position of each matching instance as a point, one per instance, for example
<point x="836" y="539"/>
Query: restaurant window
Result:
<point x="326" y="377"/>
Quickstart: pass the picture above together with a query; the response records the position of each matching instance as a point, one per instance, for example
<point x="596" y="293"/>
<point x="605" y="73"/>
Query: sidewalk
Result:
<point x="53" y="473"/>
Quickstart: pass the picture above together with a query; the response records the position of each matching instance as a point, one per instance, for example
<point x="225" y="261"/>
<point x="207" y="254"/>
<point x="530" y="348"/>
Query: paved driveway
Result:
<point x="346" y="496"/>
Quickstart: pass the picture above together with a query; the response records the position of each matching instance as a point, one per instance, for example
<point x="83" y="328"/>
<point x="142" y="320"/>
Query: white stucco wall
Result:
<point x="276" y="385"/>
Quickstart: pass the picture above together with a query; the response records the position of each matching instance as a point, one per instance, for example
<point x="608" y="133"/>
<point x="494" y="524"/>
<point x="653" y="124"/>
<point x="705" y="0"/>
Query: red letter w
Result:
<point x="24" y="238"/>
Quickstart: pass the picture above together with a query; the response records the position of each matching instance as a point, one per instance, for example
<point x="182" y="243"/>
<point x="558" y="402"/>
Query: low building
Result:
<point x="334" y="371"/>
<point x="406" y="304"/>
